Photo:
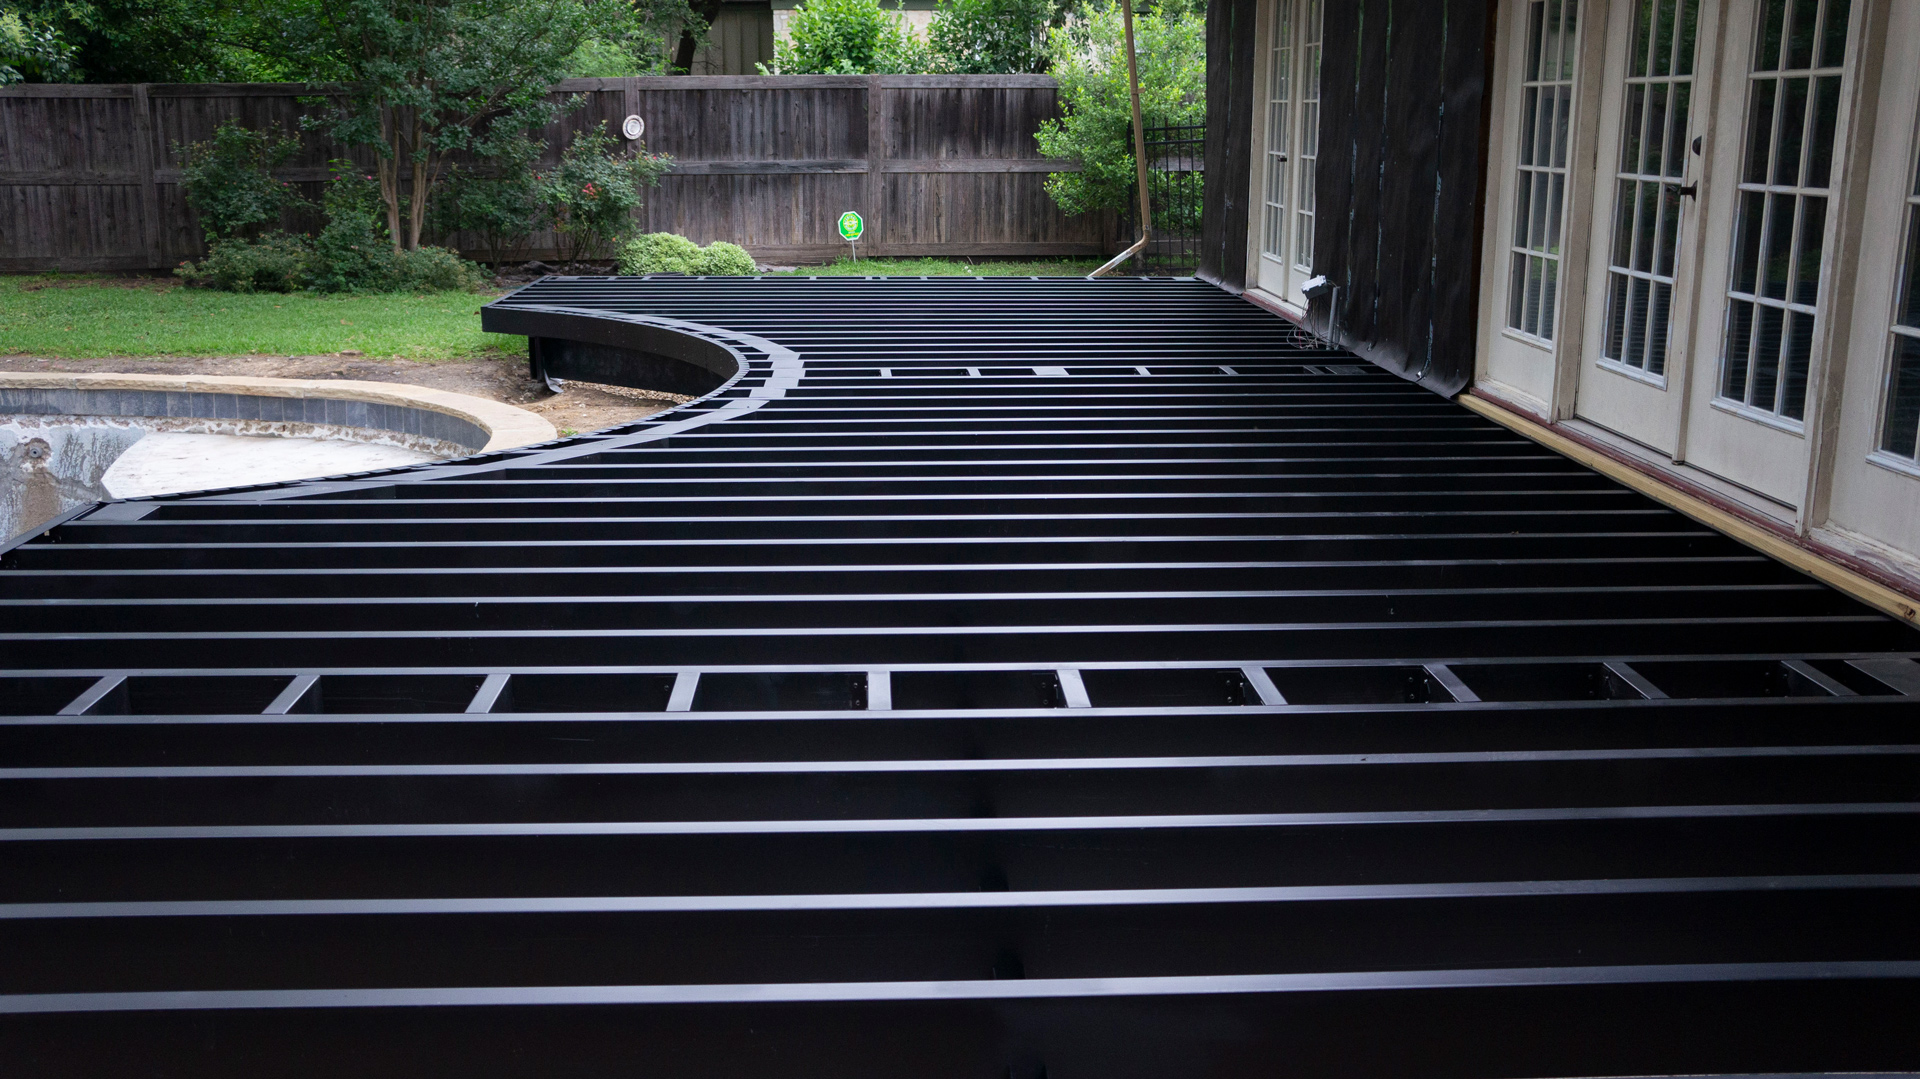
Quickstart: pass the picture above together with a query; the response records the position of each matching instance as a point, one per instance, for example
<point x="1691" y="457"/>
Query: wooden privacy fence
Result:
<point x="938" y="165"/>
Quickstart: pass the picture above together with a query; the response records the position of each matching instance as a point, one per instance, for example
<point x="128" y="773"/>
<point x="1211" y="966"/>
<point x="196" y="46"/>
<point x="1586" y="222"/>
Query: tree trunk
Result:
<point x="417" y="201"/>
<point x="387" y="168"/>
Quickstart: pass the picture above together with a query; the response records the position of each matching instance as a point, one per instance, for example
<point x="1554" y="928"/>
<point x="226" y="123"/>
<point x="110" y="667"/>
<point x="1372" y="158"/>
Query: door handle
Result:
<point x="1691" y="191"/>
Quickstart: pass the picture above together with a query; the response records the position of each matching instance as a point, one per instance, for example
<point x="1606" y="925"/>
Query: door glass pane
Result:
<point x="1759" y="132"/>
<point x="1766" y="358"/>
<point x="1773" y="20"/>
<point x="1540" y="185"/>
<point x="1900" y="421"/>
<point x="1780" y="219"/>
<point x="1903" y="398"/>
<point x="1733" y="374"/>
<point x="1793" y="126"/>
<point x="1683" y="48"/>
<point x="1309" y="140"/>
<point x="1279" y="155"/>
<point x="1800" y="33"/>
<point x="1647" y="211"/>
<point x="1826" y="107"/>
<point x="1793" y="378"/>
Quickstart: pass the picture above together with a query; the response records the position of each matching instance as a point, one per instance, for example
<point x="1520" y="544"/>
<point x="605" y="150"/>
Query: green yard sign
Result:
<point x="851" y="226"/>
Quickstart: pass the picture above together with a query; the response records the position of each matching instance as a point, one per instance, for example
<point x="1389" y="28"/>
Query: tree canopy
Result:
<point x="1089" y="59"/>
<point x="240" y="40"/>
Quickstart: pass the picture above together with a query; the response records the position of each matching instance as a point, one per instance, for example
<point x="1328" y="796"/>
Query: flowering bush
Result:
<point x="590" y="198"/>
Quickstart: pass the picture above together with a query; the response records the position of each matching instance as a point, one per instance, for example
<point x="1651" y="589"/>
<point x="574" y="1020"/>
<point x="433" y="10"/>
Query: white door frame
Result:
<point x="1280" y="279"/>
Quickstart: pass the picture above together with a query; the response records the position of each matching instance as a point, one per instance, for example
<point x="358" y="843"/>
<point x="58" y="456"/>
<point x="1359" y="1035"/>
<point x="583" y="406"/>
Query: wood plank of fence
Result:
<point x="939" y="165"/>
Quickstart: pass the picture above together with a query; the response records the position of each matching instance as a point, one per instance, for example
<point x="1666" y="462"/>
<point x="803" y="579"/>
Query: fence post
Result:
<point x="150" y="228"/>
<point x="876" y="165"/>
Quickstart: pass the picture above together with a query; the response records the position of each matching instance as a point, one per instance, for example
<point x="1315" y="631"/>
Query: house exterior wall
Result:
<point x="1422" y="108"/>
<point x="1397" y="190"/>
<point x="739" y="39"/>
<point x="1801" y="452"/>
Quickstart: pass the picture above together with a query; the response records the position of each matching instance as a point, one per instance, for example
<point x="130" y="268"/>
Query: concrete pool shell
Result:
<point x="67" y="440"/>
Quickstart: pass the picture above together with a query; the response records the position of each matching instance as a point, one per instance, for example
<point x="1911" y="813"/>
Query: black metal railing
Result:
<point x="1175" y="153"/>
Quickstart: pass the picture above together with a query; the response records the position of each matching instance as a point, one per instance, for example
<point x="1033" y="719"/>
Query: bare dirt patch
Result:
<point x="582" y="406"/>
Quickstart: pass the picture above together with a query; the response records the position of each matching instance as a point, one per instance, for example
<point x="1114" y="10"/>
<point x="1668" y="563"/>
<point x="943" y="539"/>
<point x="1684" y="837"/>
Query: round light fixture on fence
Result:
<point x="633" y="127"/>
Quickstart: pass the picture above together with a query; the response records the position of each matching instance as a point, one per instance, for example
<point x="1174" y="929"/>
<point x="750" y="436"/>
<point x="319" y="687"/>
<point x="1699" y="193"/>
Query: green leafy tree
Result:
<point x="597" y="59"/>
<point x="591" y="196"/>
<point x="848" y="37"/>
<point x="138" y="41"/>
<point x="991" y="37"/>
<point x="229" y="179"/>
<point x="422" y="80"/>
<point x="1088" y="57"/>
<point x="32" y="48"/>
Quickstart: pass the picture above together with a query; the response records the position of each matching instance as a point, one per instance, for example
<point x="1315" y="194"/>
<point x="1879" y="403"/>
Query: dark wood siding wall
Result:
<point x="1232" y="104"/>
<point x="938" y="165"/>
<point x="1401" y="184"/>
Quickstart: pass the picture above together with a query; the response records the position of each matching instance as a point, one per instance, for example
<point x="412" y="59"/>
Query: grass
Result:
<point x="82" y="316"/>
<point x="77" y="317"/>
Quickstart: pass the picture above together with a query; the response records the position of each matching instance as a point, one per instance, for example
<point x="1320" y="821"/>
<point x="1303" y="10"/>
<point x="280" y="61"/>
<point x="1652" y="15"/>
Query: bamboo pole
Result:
<point x="1139" y="146"/>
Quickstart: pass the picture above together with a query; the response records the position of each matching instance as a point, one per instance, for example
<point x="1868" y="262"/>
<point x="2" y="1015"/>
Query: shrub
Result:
<point x="1089" y="59"/>
<point x="847" y="37"/>
<point x="353" y="252"/>
<point x="500" y="209"/>
<point x="276" y="262"/>
<point x="590" y="198"/>
<point x="664" y="252"/>
<point x="723" y="259"/>
<point x="229" y="179"/>
<point x="660" y="252"/>
<point x="991" y="37"/>
<point x="435" y="269"/>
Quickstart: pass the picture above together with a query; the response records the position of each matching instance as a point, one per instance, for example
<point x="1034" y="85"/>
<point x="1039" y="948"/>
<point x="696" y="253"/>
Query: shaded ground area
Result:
<point x="583" y="407"/>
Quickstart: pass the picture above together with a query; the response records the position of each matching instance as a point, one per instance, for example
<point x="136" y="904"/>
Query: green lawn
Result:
<point x="78" y="316"/>
<point x="72" y="316"/>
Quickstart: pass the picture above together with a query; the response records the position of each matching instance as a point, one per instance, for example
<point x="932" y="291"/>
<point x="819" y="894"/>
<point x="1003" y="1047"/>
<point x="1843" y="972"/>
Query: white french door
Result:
<point x="1288" y="137"/>
<point x="1876" y="473"/>
<point x="1645" y="221"/>
<point x="1737" y="285"/>
<point x="1530" y="263"/>
<point x="1764" y="290"/>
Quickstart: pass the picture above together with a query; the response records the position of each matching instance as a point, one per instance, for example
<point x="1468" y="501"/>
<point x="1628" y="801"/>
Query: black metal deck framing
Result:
<point x="988" y="678"/>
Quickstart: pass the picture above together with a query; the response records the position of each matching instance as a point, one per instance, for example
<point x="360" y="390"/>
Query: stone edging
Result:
<point x="507" y="427"/>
